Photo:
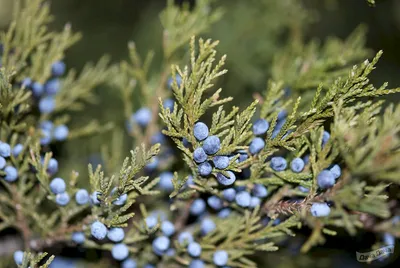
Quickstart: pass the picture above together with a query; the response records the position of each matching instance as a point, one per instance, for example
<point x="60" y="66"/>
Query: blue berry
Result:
<point x="197" y="264"/>
<point x="211" y="145"/>
<point x="5" y="149"/>
<point x="37" y="89"/>
<point x="17" y="149"/>
<point x="57" y="186"/>
<point x="297" y="165"/>
<point x="94" y="198"/>
<point x="45" y="138"/>
<point x="199" y="156"/>
<point x="129" y="263"/>
<point x="52" y="167"/>
<point x="158" y="138"/>
<point x="221" y="162"/>
<point x="278" y="163"/>
<point x="178" y="79"/>
<point x="61" y="132"/>
<point x="11" y="173"/>
<point x="169" y="104"/>
<point x="116" y="234"/>
<point x="120" y="201"/>
<point x="82" y="197"/>
<point x="47" y="125"/>
<point x="27" y="82"/>
<point x="2" y="162"/>
<point x="62" y="199"/>
<point x="159" y="214"/>
<point x="18" y="257"/>
<point x="52" y="86"/>
<point x="198" y="206"/>
<point x="166" y="181"/>
<point x="185" y="238"/>
<point x="215" y="202"/>
<point x="200" y="131"/>
<point x="325" y="137"/>
<point x="190" y="180"/>
<point x="161" y="243"/>
<point x="229" y="194"/>
<point x="254" y="201"/>
<point x="167" y="228"/>
<point x="303" y="189"/>
<point x="120" y="252"/>
<point x="336" y="171"/>
<point x="151" y="221"/>
<point x="207" y="226"/>
<point x="222" y="179"/>
<point x="205" y="169"/>
<point x="61" y="262"/>
<point x="47" y="105"/>
<point x="194" y="249"/>
<point x="243" y="199"/>
<point x="282" y="115"/>
<point x="152" y="165"/>
<point x="256" y="145"/>
<point x="143" y="116"/>
<point x="98" y="230"/>
<point x="260" y="127"/>
<point x="242" y="156"/>
<point x="320" y="210"/>
<point x="78" y="237"/>
<point x="388" y="239"/>
<point x="58" y="68"/>
<point x="220" y="257"/>
<point x="224" y="213"/>
<point x="325" y="179"/>
<point x="278" y="128"/>
<point x="259" y="190"/>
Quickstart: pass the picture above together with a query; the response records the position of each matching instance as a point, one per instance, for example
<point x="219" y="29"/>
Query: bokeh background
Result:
<point x="249" y="35"/>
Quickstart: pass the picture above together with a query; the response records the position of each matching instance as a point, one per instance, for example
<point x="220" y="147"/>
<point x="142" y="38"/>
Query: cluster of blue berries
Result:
<point x="46" y="92"/>
<point x="49" y="132"/>
<point x="59" y="187"/>
<point x="11" y="173"/>
<point x="239" y="195"/>
<point x="162" y="244"/>
<point x="210" y="146"/>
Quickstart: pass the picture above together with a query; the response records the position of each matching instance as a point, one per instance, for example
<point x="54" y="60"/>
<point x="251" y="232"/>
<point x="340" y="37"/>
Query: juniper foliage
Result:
<point x="334" y="115"/>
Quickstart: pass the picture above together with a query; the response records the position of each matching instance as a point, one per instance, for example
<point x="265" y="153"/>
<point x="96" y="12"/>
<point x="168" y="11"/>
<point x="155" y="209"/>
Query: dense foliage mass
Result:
<point x="206" y="184"/>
